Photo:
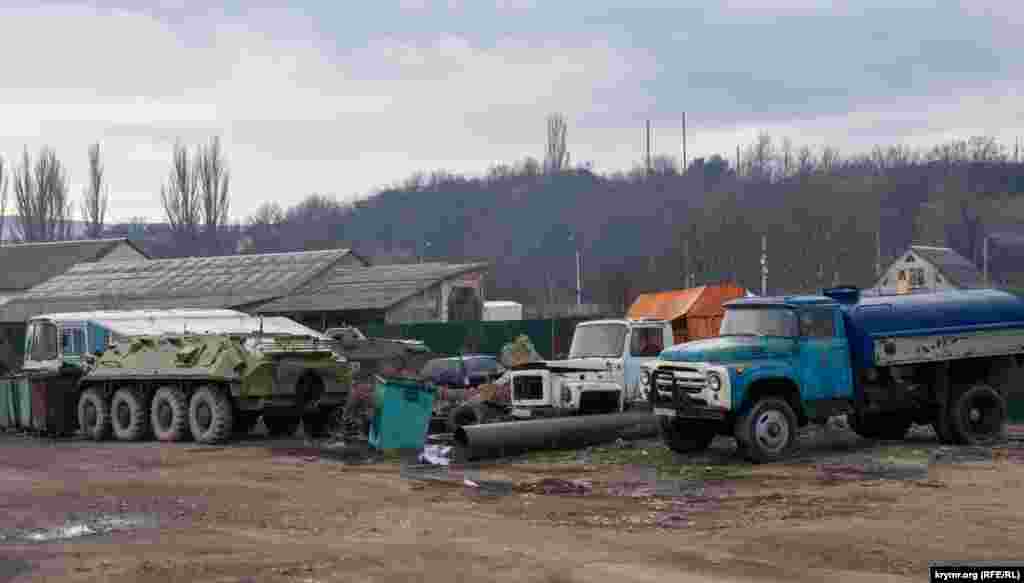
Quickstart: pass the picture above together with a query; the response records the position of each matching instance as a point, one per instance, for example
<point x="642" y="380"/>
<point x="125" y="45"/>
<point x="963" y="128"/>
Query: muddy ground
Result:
<point x="845" y="510"/>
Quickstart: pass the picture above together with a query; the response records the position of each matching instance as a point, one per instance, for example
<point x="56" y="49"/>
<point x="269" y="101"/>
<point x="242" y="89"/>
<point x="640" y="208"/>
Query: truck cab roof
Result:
<point x="626" y="321"/>
<point x="793" y="301"/>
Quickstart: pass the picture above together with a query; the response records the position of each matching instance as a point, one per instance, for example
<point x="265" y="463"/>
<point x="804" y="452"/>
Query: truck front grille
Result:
<point x="689" y="380"/>
<point x="528" y="388"/>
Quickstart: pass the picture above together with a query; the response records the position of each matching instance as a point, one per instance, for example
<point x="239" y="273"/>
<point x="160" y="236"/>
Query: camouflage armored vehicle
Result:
<point x="379" y="355"/>
<point x="201" y="374"/>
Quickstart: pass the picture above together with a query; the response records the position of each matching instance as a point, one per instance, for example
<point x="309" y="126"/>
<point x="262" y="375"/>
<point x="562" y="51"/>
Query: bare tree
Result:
<point x="213" y="177"/>
<point x="557" y="155"/>
<point x="180" y="196"/>
<point x="94" y="196"/>
<point x="4" y="181"/>
<point x="41" y="197"/>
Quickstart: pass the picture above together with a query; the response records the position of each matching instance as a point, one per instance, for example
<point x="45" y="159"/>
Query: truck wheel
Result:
<point x="943" y="427"/>
<point x="129" y="415"/>
<point x="94" y="415"/>
<point x="978" y="416"/>
<point x="468" y="414"/>
<point x="683" y="437"/>
<point x="169" y="414"/>
<point x="210" y="416"/>
<point x="281" y="426"/>
<point x="880" y="425"/>
<point x="768" y="432"/>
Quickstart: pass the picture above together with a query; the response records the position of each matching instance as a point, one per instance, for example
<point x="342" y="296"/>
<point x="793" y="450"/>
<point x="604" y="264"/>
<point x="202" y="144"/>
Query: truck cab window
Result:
<point x="73" y="341"/>
<point x="44" y="342"/>
<point x="646" y="342"/>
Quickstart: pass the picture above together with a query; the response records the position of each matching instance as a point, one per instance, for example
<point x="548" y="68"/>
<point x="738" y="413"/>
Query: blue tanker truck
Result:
<point x="945" y="359"/>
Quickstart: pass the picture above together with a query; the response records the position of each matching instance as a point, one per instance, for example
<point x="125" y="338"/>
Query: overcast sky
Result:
<point x="343" y="97"/>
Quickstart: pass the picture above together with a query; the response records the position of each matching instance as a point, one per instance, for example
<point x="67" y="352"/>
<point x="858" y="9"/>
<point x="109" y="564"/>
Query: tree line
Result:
<point x="827" y="218"/>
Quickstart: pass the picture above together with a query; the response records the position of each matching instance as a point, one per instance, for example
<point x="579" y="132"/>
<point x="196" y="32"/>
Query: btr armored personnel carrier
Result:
<point x="173" y="375"/>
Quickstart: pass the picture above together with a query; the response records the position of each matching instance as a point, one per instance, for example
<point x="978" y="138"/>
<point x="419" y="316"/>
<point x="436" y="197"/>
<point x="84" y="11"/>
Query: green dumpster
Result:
<point x="23" y="402"/>
<point x="402" y="410"/>
<point x="7" y="416"/>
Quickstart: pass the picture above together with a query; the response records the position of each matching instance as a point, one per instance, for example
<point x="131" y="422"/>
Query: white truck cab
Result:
<point x="601" y="373"/>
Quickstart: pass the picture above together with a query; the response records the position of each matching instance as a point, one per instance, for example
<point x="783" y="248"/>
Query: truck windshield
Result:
<point x="759" y="322"/>
<point x="605" y="340"/>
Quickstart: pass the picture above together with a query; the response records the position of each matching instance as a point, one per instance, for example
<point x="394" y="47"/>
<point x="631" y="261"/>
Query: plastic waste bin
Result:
<point x="402" y="411"/>
<point x="53" y="403"/>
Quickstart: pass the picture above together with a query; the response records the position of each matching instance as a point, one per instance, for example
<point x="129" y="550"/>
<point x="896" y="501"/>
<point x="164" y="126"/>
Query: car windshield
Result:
<point x="759" y="322"/>
<point x="604" y="340"/>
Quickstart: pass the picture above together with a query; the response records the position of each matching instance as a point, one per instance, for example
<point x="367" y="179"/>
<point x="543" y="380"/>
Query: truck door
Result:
<point x="823" y="354"/>
<point x="645" y="344"/>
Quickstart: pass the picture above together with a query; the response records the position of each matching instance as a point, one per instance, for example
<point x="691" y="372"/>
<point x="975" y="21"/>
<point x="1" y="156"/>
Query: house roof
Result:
<point x="705" y="300"/>
<point x="367" y="288"/>
<point x="191" y="282"/>
<point x="956" y="268"/>
<point x="23" y="265"/>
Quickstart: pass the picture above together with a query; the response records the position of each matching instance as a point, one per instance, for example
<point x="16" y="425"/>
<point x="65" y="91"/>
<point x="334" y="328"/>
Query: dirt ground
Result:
<point x="262" y="510"/>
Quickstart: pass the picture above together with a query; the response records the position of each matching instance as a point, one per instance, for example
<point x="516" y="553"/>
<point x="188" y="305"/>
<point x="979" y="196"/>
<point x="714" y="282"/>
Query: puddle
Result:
<point x="77" y="527"/>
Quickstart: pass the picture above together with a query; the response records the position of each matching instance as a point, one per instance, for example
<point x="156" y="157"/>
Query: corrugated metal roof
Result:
<point x="146" y="322"/>
<point x="192" y="282"/>
<point x="379" y="287"/>
<point x="956" y="268"/>
<point x="23" y="265"/>
<point x="705" y="300"/>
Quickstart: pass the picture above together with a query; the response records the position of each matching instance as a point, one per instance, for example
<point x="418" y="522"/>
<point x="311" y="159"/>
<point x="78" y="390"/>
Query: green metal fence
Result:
<point x="550" y="337"/>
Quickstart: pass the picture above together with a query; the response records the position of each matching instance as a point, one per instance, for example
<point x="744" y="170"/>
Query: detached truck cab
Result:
<point x="601" y="374"/>
<point x="946" y="359"/>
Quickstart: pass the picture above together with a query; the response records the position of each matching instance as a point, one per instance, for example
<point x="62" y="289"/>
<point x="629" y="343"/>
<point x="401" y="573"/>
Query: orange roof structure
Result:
<point x="705" y="300"/>
<point x="695" y="313"/>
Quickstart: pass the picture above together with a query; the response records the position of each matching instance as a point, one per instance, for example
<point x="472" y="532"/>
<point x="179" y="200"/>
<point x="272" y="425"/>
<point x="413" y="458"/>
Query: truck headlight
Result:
<point x="714" y="381"/>
<point x="645" y="377"/>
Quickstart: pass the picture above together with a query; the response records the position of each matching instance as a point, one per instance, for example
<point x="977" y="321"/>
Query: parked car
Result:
<point x="466" y="371"/>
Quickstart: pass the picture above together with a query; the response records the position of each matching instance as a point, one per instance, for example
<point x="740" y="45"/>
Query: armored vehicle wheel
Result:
<point x="685" y="437"/>
<point x="978" y="416"/>
<point x="94" y="415"/>
<point x="768" y="432"/>
<point x="892" y="425"/>
<point x="468" y="414"/>
<point x="129" y="415"/>
<point x="314" y="425"/>
<point x="245" y="421"/>
<point x="210" y="416"/>
<point x="281" y="426"/>
<point x="169" y="414"/>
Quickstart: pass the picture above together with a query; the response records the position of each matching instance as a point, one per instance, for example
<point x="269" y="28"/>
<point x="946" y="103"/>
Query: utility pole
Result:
<point x="737" y="161"/>
<point x="878" y="252"/>
<point x="984" y="260"/>
<point x="764" y="265"/>
<point x="685" y="166"/>
<point x="647" y="155"/>
<point x="579" y="288"/>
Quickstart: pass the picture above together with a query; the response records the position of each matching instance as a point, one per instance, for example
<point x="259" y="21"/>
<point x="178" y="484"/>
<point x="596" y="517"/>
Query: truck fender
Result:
<point x="777" y="380"/>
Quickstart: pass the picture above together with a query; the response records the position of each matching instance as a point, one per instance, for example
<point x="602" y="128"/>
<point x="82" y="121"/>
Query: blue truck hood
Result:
<point x="729" y="349"/>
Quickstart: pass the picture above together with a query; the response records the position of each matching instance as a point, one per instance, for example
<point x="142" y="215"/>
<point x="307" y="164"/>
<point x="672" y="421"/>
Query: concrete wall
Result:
<point x="927" y="277"/>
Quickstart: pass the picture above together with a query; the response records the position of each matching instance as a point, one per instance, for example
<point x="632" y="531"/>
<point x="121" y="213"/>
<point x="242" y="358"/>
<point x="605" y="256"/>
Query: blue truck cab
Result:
<point x="885" y="361"/>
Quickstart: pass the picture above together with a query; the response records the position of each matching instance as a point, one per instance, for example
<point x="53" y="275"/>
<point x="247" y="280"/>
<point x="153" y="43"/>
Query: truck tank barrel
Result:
<point x="503" y="439"/>
<point x="949" y="312"/>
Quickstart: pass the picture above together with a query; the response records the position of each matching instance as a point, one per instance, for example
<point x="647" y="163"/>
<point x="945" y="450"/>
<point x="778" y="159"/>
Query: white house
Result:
<point x="922" y="268"/>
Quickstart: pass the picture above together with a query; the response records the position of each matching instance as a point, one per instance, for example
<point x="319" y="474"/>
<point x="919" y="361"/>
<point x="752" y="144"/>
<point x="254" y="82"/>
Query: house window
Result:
<point x="916" y="277"/>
